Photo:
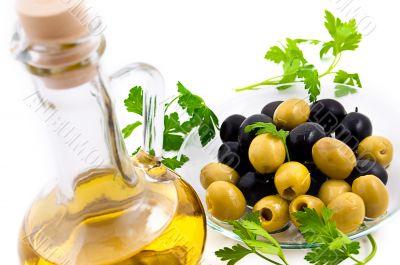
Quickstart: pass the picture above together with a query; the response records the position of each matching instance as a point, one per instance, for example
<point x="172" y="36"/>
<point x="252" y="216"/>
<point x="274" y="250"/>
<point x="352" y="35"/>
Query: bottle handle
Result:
<point x="153" y="87"/>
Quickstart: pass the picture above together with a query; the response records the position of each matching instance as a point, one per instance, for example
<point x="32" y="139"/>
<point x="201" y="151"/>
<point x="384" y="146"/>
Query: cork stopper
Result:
<point x="53" y="21"/>
<point x="61" y="31"/>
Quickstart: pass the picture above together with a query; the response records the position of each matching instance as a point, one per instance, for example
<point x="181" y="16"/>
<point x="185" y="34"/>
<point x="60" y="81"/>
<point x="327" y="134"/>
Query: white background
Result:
<point x="211" y="46"/>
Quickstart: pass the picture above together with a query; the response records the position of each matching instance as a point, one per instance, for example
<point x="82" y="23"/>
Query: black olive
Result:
<point x="301" y="140"/>
<point x="317" y="179"/>
<point x="354" y="128"/>
<point x="230" y="128"/>
<point x="329" y="113"/>
<point x="270" y="108"/>
<point x="255" y="186"/>
<point x="368" y="167"/>
<point x="228" y="154"/>
<point x="244" y="138"/>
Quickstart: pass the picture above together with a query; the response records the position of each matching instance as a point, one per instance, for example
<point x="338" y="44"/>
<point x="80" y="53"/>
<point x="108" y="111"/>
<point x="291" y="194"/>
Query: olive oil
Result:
<point x="105" y="224"/>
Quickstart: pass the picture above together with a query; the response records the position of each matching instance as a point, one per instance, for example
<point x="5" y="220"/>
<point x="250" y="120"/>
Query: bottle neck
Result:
<point x="82" y="128"/>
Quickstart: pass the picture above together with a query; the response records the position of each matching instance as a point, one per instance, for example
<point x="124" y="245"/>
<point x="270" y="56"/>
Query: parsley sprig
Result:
<point x="264" y="127"/>
<point x="198" y="116"/>
<point x="332" y="246"/>
<point x="296" y="68"/>
<point x="248" y="229"/>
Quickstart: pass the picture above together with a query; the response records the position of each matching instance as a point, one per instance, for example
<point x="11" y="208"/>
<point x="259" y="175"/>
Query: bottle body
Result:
<point x="118" y="237"/>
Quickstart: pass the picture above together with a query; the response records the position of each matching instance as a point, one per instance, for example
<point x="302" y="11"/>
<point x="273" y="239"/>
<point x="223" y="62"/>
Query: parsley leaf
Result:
<point x="344" y="90"/>
<point x="275" y="54"/>
<point x="264" y="127"/>
<point x="343" y="77"/>
<point x="200" y="115"/>
<point x="334" y="246"/>
<point x="234" y="254"/>
<point x="311" y="81"/>
<point x="127" y="131"/>
<point x="134" y="102"/>
<point x="345" y="34"/>
<point x="172" y="132"/>
<point x="175" y="162"/>
<point x="248" y="228"/>
<point x="136" y="151"/>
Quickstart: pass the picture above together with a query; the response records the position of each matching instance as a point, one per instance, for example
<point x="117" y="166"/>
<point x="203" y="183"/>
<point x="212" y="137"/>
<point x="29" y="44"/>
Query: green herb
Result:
<point x="136" y="151"/>
<point x="197" y="113"/>
<point x="296" y="68"/>
<point x="333" y="247"/>
<point x="134" y="102"/>
<point x="200" y="114"/>
<point x="127" y="131"/>
<point x="175" y="162"/>
<point x="248" y="229"/>
<point x="264" y="127"/>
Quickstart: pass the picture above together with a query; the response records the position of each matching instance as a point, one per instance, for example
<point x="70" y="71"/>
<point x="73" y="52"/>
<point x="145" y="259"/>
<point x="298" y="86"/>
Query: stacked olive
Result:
<point x="329" y="159"/>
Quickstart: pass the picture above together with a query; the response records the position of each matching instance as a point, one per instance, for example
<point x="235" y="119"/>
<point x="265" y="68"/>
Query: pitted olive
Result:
<point x="274" y="212"/>
<point x="305" y="201"/>
<point x="267" y="153"/>
<point x="217" y="171"/>
<point x="334" y="158"/>
<point x="292" y="180"/>
<point x="376" y="148"/>
<point x="291" y="113"/>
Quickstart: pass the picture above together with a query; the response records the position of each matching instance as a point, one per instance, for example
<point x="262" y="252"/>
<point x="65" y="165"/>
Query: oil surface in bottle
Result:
<point x="115" y="234"/>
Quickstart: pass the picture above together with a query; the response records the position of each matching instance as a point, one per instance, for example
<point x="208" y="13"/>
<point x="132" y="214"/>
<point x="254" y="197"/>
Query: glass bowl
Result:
<point x="383" y="113"/>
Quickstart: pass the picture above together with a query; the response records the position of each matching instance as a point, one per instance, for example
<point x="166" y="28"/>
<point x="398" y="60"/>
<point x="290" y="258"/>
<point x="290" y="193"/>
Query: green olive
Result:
<point x="292" y="180"/>
<point x="291" y="113"/>
<point x="217" y="171"/>
<point x="305" y="201"/>
<point x="225" y="201"/>
<point x="333" y="188"/>
<point x="348" y="212"/>
<point x="376" y="148"/>
<point x="267" y="153"/>
<point x="374" y="193"/>
<point x="274" y="212"/>
<point x="334" y="158"/>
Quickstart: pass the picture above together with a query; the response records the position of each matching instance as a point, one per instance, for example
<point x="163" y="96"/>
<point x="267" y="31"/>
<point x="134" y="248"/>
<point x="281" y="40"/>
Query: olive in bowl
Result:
<point x="334" y="158"/>
<point x="245" y="138"/>
<point x="374" y="194"/>
<point x="376" y="148"/>
<point x="291" y="113"/>
<point x="354" y="128"/>
<point x="217" y="172"/>
<point x="368" y="167"/>
<point x="348" y="211"/>
<point x="225" y="201"/>
<point x="333" y="188"/>
<point x="292" y="179"/>
<point x="302" y="202"/>
<point x="329" y="113"/>
<point x="230" y="128"/>
<point x="274" y="212"/>
<point x="266" y="153"/>
<point x="229" y="154"/>
<point x="270" y="108"/>
<point x="301" y="140"/>
<point x="256" y="186"/>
